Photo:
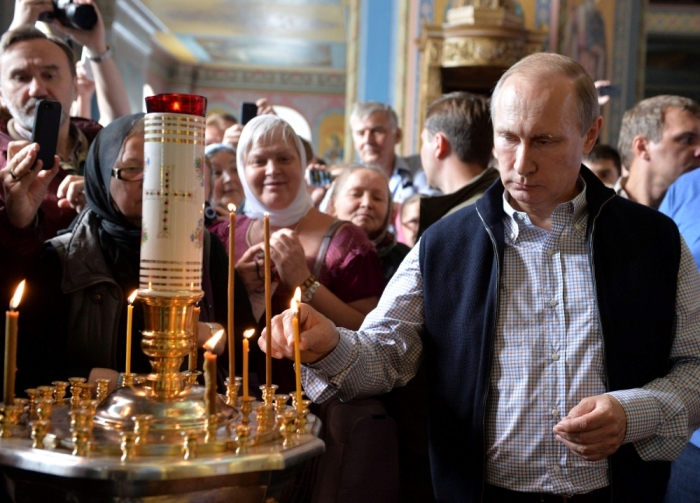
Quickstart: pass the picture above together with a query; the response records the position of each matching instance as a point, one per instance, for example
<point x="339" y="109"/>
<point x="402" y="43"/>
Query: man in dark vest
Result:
<point x="457" y="140"/>
<point x="559" y="323"/>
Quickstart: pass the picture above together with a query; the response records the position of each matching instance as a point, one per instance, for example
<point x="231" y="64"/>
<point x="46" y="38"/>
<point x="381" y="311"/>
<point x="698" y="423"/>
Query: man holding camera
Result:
<point x="36" y="203"/>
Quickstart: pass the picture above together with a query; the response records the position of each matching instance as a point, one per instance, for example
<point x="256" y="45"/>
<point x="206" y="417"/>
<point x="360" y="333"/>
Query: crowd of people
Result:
<point x="515" y="278"/>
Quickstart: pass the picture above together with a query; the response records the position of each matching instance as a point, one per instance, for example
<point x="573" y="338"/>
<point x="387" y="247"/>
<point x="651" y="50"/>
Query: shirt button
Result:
<point x="512" y="236"/>
<point x="553" y="302"/>
<point x="578" y="227"/>
<point x="555" y="412"/>
<point x="556" y="469"/>
<point x="550" y="252"/>
<point x="555" y="356"/>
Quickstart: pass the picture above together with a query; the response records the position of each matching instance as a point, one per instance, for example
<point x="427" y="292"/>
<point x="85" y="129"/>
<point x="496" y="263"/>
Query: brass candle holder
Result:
<point x="268" y="393"/>
<point x="232" y="390"/>
<point x="39" y="430"/>
<point x="287" y="428"/>
<point x="302" y="417"/>
<point x="33" y="396"/>
<point x="246" y="408"/>
<point x="60" y="394"/>
<point x="102" y="388"/>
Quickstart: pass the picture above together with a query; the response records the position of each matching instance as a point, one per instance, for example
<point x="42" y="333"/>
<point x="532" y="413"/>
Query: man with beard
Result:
<point x="37" y="203"/>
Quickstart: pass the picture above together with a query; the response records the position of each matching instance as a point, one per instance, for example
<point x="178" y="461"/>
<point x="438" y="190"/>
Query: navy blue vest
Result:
<point x="634" y="253"/>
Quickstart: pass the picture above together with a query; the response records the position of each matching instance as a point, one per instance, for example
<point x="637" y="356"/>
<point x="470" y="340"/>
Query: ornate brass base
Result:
<point x="178" y="413"/>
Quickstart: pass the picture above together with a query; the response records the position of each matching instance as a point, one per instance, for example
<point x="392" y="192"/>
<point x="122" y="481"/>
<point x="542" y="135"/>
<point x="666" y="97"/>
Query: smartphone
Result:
<point x="248" y="111"/>
<point x="609" y="91"/>
<point x="85" y="58"/>
<point x="47" y="119"/>
<point x="318" y="177"/>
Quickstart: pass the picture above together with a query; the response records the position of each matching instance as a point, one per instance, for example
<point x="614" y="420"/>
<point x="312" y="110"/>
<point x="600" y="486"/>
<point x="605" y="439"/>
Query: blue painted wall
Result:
<point x="376" y="71"/>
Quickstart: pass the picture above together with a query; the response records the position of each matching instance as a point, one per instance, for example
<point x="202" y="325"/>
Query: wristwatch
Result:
<point x="308" y="288"/>
<point x="100" y="57"/>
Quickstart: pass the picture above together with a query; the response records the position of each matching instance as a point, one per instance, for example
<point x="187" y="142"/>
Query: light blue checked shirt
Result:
<point x="548" y="356"/>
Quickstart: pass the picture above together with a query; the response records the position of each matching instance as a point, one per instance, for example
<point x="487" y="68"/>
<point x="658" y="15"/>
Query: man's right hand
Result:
<point x="28" y="11"/>
<point x="24" y="183"/>
<point x="318" y="335"/>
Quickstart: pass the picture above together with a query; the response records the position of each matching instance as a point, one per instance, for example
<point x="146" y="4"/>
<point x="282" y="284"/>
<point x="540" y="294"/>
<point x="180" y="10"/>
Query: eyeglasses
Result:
<point x="128" y="174"/>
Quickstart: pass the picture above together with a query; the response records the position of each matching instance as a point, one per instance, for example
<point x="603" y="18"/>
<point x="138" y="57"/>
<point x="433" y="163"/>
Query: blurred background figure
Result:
<point x="605" y="162"/>
<point x="361" y="195"/>
<point x="226" y="185"/>
<point x="216" y="125"/>
<point x="410" y="218"/>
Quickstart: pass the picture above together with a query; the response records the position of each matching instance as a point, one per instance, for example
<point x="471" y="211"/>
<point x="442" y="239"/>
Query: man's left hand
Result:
<point x="594" y="429"/>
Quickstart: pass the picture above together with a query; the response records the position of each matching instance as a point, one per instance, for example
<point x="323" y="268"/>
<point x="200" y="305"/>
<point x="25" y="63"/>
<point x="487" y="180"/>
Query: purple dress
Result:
<point x="351" y="270"/>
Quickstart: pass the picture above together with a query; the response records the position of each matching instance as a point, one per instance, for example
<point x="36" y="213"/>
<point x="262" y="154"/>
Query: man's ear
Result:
<point x="399" y="134"/>
<point x="640" y="147"/>
<point x="442" y="146"/>
<point x="2" y="100"/>
<point x="592" y="135"/>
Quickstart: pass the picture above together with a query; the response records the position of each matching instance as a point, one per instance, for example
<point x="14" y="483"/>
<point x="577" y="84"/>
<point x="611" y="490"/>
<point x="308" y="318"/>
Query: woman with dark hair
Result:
<point x="74" y="316"/>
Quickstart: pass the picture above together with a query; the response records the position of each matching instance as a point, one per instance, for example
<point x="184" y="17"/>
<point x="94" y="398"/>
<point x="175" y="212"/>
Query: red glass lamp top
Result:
<point x="177" y="103"/>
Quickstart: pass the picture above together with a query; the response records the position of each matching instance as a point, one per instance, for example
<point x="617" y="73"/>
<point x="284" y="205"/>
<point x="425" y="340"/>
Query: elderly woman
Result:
<point x="361" y="195"/>
<point x="74" y="317"/>
<point x="334" y="264"/>
<point x="226" y="189"/>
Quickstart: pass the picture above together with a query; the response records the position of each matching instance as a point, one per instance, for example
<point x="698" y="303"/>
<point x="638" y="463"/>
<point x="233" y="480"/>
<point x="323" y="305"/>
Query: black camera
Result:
<point x="72" y="15"/>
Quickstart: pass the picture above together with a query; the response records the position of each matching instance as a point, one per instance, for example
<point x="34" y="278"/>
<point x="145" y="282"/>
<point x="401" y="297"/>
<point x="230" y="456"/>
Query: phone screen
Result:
<point x="47" y="120"/>
<point x="248" y="111"/>
<point x="318" y="177"/>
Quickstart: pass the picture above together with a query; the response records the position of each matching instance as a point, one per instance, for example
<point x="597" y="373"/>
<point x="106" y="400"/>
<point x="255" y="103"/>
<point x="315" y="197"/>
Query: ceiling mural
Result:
<point x="300" y="34"/>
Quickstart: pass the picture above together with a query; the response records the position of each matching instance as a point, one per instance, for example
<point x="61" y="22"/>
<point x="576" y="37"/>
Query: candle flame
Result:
<point x="249" y="333"/>
<point x="296" y="300"/>
<point x="14" y="303"/>
<point x="266" y="215"/>
<point x="231" y="208"/>
<point x="132" y="297"/>
<point x="209" y="345"/>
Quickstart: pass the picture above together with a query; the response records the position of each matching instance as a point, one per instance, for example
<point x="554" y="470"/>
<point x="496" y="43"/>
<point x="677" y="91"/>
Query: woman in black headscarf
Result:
<point x="74" y="318"/>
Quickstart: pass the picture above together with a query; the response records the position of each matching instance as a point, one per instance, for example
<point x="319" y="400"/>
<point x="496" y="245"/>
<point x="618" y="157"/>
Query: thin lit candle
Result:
<point x="296" y="302"/>
<point x="11" y="326"/>
<point x="231" y="289"/>
<point x="246" y="349"/>
<point x="210" y="373"/>
<point x="192" y="360"/>
<point x="268" y="301"/>
<point x="129" y="320"/>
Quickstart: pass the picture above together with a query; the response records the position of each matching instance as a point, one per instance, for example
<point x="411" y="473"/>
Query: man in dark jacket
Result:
<point x="457" y="140"/>
<point x="559" y="323"/>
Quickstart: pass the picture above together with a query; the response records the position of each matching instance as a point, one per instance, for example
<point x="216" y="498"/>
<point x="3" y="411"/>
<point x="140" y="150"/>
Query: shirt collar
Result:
<point x="570" y="213"/>
<point x="620" y="189"/>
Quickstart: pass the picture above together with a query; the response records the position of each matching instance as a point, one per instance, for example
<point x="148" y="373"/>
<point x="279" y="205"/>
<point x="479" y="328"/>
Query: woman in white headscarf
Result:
<point x="334" y="264"/>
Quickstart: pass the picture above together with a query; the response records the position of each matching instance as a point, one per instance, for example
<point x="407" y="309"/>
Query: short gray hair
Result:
<point x="363" y="110"/>
<point x="544" y="64"/>
<point x="647" y="119"/>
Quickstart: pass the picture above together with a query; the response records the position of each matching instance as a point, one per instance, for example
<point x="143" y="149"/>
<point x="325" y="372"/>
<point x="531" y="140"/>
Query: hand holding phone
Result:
<point x="318" y="177"/>
<point x="47" y="120"/>
<point x="248" y="111"/>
